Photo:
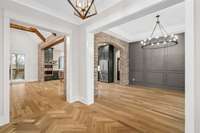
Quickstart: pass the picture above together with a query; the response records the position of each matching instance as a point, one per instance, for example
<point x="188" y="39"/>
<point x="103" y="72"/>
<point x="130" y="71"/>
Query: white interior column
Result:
<point x="197" y="65"/>
<point x="73" y="67"/>
<point x="1" y="67"/>
<point x="4" y="69"/>
<point x="90" y="68"/>
<point x="192" y="91"/>
<point x="86" y="66"/>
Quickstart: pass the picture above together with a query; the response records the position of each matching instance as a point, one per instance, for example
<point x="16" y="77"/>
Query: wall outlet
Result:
<point x="133" y="79"/>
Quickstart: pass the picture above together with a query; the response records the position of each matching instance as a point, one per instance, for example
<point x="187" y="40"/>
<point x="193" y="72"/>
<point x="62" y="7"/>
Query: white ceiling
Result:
<point x="59" y="47"/>
<point x="45" y="33"/>
<point x="62" y="9"/>
<point x="172" y="18"/>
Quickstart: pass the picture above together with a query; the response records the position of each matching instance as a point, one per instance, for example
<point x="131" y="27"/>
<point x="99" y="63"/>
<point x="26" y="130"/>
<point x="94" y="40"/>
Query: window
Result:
<point x="61" y="62"/>
<point x="17" y="66"/>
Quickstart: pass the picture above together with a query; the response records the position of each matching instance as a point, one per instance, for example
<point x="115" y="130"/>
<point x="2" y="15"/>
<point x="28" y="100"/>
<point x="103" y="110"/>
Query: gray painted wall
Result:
<point x="164" y="67"/>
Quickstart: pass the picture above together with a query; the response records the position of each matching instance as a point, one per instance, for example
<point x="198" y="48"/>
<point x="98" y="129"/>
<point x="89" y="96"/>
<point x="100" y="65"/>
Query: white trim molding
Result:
<point x="192" y="91"/>
<point x="5" y="118"/>
<point x="196" y="19"/>
<point x="1" y="68"/>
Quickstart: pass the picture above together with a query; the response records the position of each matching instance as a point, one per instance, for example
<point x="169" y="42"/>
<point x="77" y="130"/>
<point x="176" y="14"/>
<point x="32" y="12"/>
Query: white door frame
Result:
<point x="6" y="64"/>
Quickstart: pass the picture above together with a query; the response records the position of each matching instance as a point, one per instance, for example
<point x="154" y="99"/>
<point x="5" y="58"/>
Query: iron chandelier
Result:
<point x="83" y="8"/>
<point x="165" y="40"/>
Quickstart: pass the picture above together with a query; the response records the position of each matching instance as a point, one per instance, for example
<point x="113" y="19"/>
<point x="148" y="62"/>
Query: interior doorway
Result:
<point x="149" y="71"/>
<point x="38" y="61"/>
<point x="108" y="63"/>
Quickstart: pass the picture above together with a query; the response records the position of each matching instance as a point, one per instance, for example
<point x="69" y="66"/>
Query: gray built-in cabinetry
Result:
<point x="163" y="67"/>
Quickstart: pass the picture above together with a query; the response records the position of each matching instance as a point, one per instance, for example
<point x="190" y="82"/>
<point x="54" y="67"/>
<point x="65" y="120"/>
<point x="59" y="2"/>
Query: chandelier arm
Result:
<point x="74" y="8"/>
<point x="161" y="31"/>
<point x="91" y="15"/>
<point x="154" y="30"/>
<point x="89" y="8"/>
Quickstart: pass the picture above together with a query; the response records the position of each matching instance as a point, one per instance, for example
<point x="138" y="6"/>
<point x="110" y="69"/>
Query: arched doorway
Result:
<point x="108" y="63"/>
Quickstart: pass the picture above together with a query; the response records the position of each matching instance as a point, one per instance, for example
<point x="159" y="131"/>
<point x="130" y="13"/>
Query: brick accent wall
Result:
<point x="123" y="46"/>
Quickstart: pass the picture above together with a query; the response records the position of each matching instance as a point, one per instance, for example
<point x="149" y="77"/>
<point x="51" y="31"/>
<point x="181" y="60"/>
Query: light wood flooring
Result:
<point x="41" y="108"/>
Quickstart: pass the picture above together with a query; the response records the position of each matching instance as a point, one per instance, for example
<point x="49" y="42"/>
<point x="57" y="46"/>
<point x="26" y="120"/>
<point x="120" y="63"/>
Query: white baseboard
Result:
<point x="74" y="99"/>
<point x="82" y="100"/>
<point x="3" y="120"/>
<point x="85" y="101"/>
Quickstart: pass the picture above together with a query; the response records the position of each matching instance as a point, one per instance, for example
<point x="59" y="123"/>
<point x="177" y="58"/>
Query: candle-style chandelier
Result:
<point x="83" y="8"/>
<point x="165" y="40"/>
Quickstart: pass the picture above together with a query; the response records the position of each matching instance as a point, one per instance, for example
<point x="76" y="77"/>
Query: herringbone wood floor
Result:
<point x="41" y="108"/>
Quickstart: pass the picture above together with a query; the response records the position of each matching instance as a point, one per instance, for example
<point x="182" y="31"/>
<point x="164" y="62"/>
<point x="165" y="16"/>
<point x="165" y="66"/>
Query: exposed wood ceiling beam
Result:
<point x="28" y="29"/>
<point x="40" y="35"/>
<point x="52" y="41"/>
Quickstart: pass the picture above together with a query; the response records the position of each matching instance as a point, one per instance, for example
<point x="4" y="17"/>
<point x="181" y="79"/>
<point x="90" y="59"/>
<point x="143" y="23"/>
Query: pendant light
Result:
<point x="165" y="40"/>
<point x="83" y="8"/>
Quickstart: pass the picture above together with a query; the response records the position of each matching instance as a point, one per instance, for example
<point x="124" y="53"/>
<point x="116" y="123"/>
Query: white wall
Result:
<point x="1" y="66"/>
<point x="4" y="69"/>
<point x="26" y="43"/>
<point x="197" y="66"/>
